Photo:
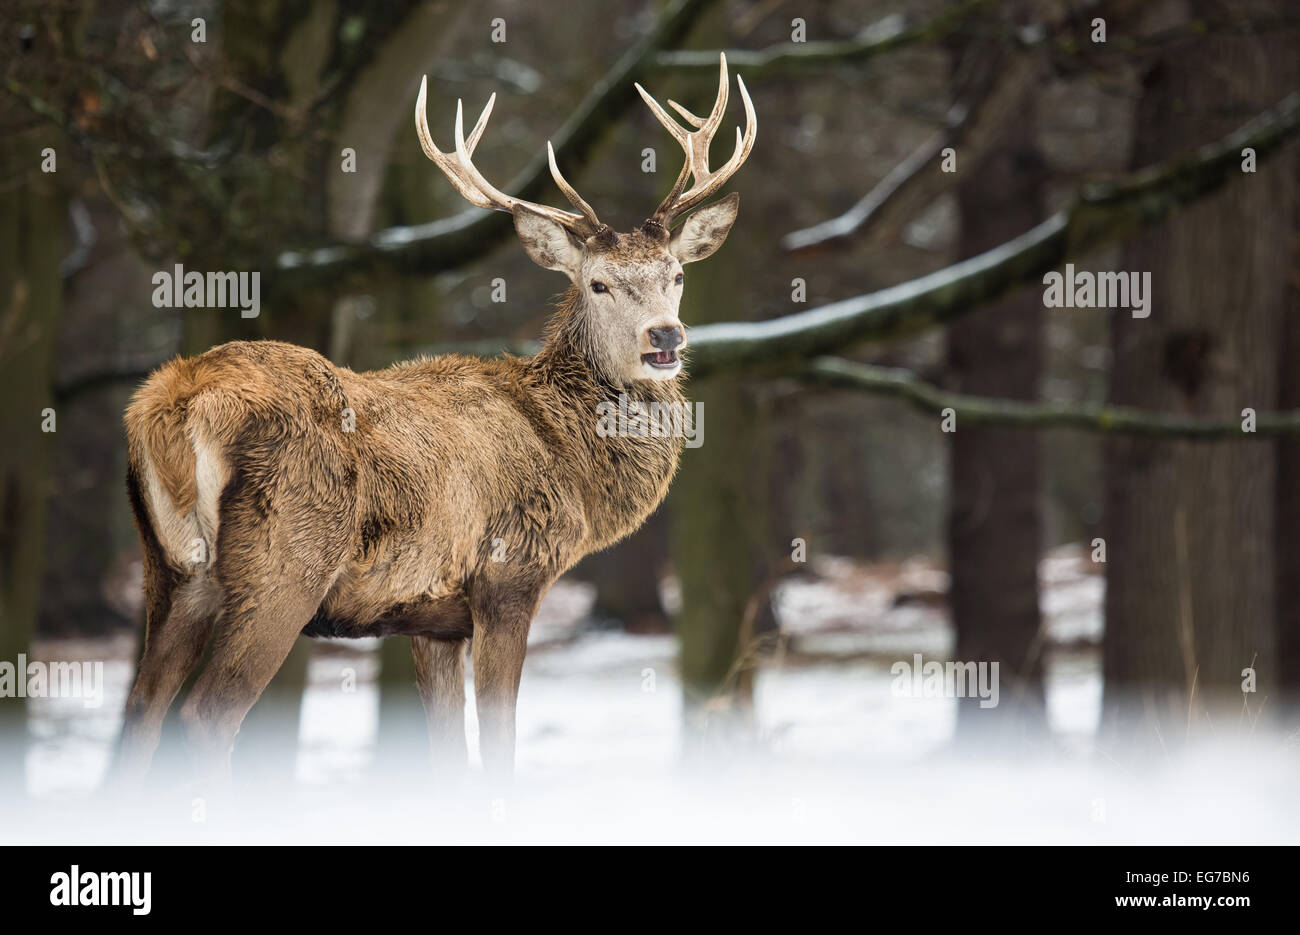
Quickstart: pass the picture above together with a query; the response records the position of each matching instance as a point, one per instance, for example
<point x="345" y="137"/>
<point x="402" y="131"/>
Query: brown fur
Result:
<point x="277" y="494"/>
<point x="388" y="529"/>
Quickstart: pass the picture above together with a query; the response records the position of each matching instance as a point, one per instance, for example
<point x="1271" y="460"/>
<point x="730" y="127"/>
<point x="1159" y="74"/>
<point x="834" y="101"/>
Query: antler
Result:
<point x="696" y="145"/>
<point x="478" y="191"/>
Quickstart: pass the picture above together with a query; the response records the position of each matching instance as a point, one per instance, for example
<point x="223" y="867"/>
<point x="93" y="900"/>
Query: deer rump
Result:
<point x="256" y="456"/>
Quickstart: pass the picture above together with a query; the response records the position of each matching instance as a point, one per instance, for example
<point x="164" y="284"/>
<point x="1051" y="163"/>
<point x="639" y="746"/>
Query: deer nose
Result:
<point x="666" y="339"/>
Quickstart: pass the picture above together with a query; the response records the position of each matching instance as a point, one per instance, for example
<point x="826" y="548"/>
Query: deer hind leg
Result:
<point x="440" y="677"/>
<point x="180" y="610"/>
<point x="253" y="641"/>
<point x="178" y="625"/>
<point x="275" y="568"/>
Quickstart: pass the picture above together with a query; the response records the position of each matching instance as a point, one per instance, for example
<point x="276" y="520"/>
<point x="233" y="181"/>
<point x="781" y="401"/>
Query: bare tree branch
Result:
<point x="1102" y="213"/>
<point x="922" y="160"/>
<point x="918" y="180"/>
<point x="894" y="32"/>
<point x="450" y="242"/>
<point x="994" y="97"/>
<point x="880" y="215"/>
<point x="890" y="34"/>
<point x="982" y="410"/>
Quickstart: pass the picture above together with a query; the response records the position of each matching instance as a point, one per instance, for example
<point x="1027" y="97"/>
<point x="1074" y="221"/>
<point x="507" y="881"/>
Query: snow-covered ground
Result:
<point x="839" y="757"/>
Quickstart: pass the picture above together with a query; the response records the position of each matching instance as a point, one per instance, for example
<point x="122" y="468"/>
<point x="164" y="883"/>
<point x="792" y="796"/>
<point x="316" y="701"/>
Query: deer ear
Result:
<point x="548" y="243"/>
<point x="705" y="230"/>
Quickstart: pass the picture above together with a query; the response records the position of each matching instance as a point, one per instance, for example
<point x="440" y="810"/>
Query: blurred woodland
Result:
<point x="863" y="291"/>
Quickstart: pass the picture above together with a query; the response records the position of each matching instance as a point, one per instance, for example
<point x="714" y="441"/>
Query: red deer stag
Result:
<point x="277" y="494"/>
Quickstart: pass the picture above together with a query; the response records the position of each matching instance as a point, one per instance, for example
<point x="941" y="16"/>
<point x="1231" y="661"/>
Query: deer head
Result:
<point x="628" y="286"/>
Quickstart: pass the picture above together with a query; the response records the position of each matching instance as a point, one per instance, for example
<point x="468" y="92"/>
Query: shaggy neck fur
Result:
<point x="623" y="479"/>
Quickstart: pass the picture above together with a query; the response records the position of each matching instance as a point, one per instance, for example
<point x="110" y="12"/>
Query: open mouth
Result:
<point x="664" y="360"/>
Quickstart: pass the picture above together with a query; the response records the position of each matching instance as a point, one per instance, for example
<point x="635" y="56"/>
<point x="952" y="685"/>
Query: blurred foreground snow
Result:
<point x="600" y="755"/>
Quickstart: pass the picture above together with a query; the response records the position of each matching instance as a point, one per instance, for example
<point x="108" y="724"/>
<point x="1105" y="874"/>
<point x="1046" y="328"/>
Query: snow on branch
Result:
<point x="1102" y="213"/>
<point x="980" y="410"/>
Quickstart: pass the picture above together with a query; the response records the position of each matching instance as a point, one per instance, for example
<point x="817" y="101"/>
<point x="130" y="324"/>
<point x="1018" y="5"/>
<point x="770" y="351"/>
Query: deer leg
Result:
<point x="440" y="677"/>
<point x="173" y="647"/>
<point x="252" y="643"/>
<point x="283" y="537"/>
<point x="273" y="576"/>
<point x="499" y="646"/>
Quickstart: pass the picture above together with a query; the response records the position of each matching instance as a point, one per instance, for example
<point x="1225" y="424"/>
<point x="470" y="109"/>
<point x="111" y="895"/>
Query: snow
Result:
<point x="837" y="757"/>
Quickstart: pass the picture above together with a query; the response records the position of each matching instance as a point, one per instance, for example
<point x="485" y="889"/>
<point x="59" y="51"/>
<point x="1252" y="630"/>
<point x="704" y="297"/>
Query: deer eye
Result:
<point x="680" y="279"/>
<point x="598" y="286"/>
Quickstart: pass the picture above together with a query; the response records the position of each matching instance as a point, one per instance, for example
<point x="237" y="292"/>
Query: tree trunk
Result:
<point x="627" y="576"/>
<point x="401" y="740"/>
<point x="718" y="529"/>
<point x="1190" y="599"/>
<point x="89" y="587"/>
<point x="31" y="296"/>
<point x="1287" y="533"/>
<point x="718" y="510"/>
<point x="994" y="527"/>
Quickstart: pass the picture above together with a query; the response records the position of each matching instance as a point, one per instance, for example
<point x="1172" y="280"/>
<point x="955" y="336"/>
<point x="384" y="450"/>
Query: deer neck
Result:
<point x="621" y="461"/>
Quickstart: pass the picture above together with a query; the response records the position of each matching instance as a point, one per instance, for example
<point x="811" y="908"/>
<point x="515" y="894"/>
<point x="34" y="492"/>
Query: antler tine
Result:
<point x="569" y="191"/>
<point x="481" y="125"/>
<point x="709" y="125"/>
<point x="669" y="124"/>
<point x="460" y="170"/>
<point x="712" y="181"/>
<point x="681" y="135"/>
<point x="696" y="146"/>
<point x="446" y="161"/>
<point x="686" y="114"/>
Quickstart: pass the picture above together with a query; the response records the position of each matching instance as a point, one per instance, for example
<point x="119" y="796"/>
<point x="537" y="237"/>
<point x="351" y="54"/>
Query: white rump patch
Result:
<point x="189" y="539"/>
<point x="210" y="476"/>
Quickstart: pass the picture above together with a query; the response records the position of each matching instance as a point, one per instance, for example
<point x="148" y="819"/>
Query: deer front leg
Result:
<point x="440" y="677"/>
<point x="500" y="641"/>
